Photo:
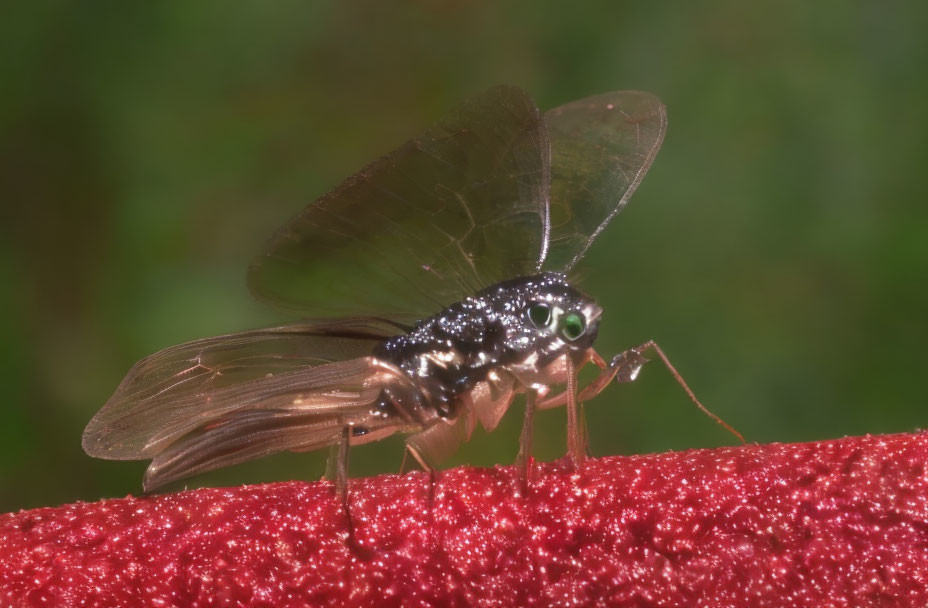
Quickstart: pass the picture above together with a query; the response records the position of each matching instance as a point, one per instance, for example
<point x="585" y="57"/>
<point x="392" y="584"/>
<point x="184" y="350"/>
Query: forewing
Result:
<point x="246" y="436"/>
<point x="180" y="388"/>
<point x="456" y="209"/>
<point x="601" y="147"/>
<point x="299" y="410"/>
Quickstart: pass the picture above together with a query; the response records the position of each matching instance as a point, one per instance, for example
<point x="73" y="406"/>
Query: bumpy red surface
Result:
<point x="836" y="523"/>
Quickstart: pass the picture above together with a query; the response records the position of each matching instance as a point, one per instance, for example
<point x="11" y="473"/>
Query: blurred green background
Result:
<point x="778" y="248"/>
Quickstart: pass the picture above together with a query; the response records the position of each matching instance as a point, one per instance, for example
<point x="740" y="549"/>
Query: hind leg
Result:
<point x="418" y="447"/>
<point x="337" y="469"/>
<point x="439" y="440"/>
<point x="524" y="458"/>
<point x="625" y="367"/>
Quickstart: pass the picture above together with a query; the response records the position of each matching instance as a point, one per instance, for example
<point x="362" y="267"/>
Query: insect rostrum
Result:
<point x="438" y="280"/>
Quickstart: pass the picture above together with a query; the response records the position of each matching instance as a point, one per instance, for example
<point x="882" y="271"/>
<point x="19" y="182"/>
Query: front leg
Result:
<point x="625" y="367"/>
<point x="652" y="345"/>
<point x="576" y="432"/>
<point x="337" y="469"/>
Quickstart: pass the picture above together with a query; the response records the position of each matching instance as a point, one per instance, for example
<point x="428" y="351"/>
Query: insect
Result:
<point x="447" y="263"/>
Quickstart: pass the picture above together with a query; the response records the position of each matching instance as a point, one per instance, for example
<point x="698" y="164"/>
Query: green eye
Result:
<point x="539" y="315"/>
<point x="572" y="326"/>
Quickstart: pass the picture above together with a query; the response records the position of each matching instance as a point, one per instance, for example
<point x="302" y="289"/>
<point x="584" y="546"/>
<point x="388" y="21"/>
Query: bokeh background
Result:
<point x="778" y="248"/>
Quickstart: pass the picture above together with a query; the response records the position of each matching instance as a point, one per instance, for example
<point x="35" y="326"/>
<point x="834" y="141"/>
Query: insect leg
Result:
<point x="576" y="444"/>
<point x="341" y="476"/>
<point x="432" y="471"/>
<point x="418" y="458"/>
<point x="590" y="390"/>
<point x="439" y="440"/>
<point x="524" y="458"/>
<point x="423" y="461"/>
<point x="337" y="467"/>
<point x="625" y="367"/>
<point x="403" y="463"/>
<point x="341" y="470"/>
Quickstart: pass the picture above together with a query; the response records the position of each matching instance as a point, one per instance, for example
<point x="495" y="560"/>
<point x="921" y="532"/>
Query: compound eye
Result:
<point x="572" y="326"/>
<point x="539" y="315"/>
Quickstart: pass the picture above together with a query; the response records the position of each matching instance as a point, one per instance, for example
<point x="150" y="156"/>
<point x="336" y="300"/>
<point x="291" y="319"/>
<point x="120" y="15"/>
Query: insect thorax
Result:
<point x="446" y="355"/>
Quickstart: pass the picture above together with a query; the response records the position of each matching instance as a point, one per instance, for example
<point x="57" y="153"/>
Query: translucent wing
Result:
<point x="185" y="388"/>
<point x="454" y="210"/>
<point x="300" y="410"/>
<point x="241" y="437"/>
<point x="601" y="148"/>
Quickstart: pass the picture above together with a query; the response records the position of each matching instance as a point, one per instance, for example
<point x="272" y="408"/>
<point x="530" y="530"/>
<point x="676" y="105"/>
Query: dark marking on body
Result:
<point x="447" y="354"/>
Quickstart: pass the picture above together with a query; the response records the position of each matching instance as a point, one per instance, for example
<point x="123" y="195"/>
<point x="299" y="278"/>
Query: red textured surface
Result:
<point x="835" y="523"/>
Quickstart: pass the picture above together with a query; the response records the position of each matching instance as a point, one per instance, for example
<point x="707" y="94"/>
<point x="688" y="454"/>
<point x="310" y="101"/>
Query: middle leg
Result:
<point x="337" y="468"/>
<point x="524" y="458"/>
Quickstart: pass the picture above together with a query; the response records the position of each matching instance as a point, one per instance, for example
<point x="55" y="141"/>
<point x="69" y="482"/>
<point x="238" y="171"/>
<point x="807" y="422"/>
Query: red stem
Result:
<point x="833" y="523"/>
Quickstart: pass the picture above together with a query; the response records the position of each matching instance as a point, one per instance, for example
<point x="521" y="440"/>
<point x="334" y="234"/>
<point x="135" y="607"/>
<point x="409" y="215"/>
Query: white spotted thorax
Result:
<point x="518" y="327"/>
